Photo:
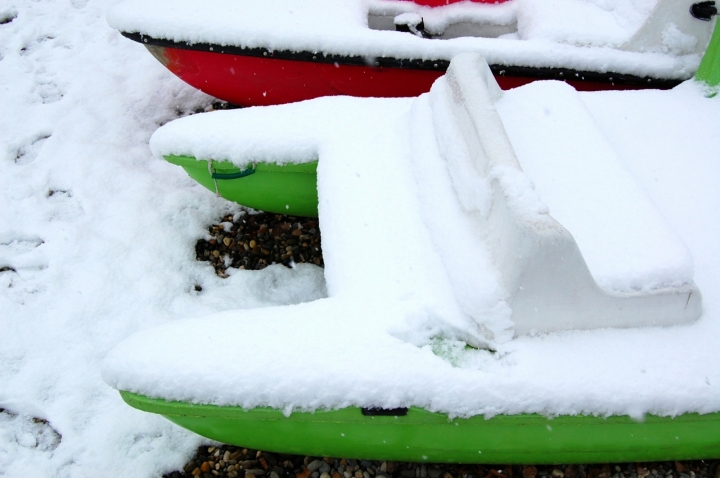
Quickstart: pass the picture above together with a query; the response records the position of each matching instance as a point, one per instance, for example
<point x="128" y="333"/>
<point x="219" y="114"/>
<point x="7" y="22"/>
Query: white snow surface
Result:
<point x="578" y="34"/>
<point x="432" y="277"/>
<point x="97" y="243"/>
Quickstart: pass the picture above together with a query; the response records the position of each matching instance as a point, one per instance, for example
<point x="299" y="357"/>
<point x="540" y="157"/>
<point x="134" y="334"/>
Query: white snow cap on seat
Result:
<point x="643" y="267"/>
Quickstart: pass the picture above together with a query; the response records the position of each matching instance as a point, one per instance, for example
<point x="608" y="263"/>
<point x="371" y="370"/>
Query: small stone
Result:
<point x="347" y="474"/>
<point x="423" y="471"/>
<point x="336" y="475"/>
<point x="447" y="475"/>
<point x="359" y="474"/>
<point x="434" y="473"/>
<point x="196" y="472"/>
<point x="205" y="467"/>
<point x="383" y="466"/>
<point x="325" y="468"/>
<point x="273" y="474"/>
<point x="343" y="462"/>
<point x="314" y="465"/>
<point x="324" y="475"/>
<point x="365" y="474"/>
<point x="235" y="455"/>
<point x="253" y="244"/>
<point x="529" y="471"/>
<point x="557" y="473"/>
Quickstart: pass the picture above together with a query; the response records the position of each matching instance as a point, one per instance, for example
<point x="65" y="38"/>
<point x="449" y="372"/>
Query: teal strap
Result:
<point x="239" y="174"/>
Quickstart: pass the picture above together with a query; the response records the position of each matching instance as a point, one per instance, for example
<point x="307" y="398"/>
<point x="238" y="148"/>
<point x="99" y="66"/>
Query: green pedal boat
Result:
<point x="328" y="355"/>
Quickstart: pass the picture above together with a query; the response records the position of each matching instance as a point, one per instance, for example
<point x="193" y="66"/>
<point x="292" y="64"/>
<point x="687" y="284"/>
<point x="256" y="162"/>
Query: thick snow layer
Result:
<point x="574" y="34"/>
<point x="373" y="338"/>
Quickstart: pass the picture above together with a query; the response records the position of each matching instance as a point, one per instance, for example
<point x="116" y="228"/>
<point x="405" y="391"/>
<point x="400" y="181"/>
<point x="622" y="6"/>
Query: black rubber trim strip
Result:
<point x="384" y="412"/>
<point x="564" y="74"/>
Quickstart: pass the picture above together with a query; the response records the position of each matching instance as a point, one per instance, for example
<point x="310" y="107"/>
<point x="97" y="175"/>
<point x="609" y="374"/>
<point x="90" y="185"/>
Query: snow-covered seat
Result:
<point x="640" y="272"/>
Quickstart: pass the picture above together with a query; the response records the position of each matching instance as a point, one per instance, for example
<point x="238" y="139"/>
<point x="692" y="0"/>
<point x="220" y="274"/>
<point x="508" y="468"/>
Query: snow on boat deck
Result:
<point x="570" y="34"/>
<point x="372" y="339"/>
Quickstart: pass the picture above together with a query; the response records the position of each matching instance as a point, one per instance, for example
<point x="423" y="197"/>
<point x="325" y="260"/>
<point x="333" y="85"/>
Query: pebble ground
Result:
<point x="231" y="461"/>
<point x="254" y="241"/>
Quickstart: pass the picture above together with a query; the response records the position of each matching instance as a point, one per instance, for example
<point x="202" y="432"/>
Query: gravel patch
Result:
<point x="231" y="461"/>
<point x="254" y="241"/>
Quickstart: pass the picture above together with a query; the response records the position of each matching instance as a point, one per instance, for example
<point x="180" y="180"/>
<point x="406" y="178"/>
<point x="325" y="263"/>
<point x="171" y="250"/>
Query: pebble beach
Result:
<point x="232" y="462"/>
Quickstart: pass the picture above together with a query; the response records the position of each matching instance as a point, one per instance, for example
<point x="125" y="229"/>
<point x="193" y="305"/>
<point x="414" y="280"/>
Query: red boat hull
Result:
<point x="256" y="80"/>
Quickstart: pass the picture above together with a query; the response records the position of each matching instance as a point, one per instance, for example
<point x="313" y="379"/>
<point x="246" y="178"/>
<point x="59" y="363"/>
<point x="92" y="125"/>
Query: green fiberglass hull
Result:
<point x="288" y="189"/>
<point x="424" y="436"/>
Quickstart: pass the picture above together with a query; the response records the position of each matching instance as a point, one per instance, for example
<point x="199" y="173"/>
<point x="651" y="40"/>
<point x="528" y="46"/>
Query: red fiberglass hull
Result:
<point x="253" y="81"/>
<point x="261" y="77"/>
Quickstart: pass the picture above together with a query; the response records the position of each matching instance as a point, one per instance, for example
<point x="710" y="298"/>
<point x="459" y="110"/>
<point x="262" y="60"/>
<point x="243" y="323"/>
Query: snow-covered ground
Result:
<point x="97" y="242"/>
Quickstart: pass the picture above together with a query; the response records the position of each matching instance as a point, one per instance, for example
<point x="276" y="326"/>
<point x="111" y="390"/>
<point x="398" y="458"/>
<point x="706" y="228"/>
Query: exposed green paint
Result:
<point x="432" y="437"/>
<point x="709" y="70"/>
<point x="288" y="189"/>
